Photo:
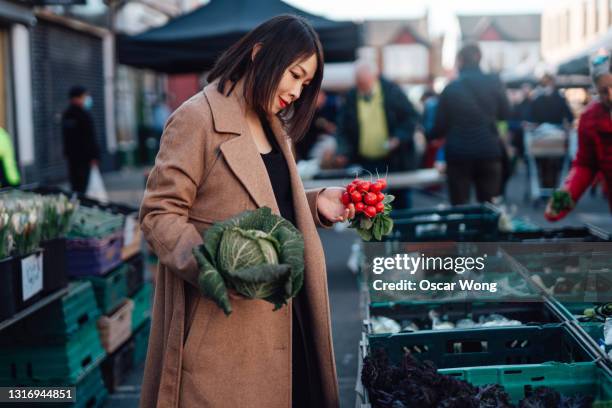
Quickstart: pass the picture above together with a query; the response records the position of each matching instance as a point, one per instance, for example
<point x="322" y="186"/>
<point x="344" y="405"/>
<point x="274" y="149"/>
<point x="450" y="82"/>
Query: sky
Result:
<point x="441" y="11"/>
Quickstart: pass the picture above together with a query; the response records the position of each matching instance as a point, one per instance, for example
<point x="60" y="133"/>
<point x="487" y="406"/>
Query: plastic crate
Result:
<point x="518" y="381"/>
<point x="474" y="223"/>
<point x="7" y="292"/>
<point x="528" y="313"/>
<point x="141" y="343"/>
<point x="135" y="274"/>
<point x="142" y="305"/>
<point x="486" y="347"/>
<point x="588" y="233"/>
<point x="66" y="362"/>
<point x="117" y="366"/>
<point x="54" y="265"/>
<point x="93" y="256"/>
<point x="60" y="320"/>
<point x="111" y="290"/>
<point x="117" y="328"/>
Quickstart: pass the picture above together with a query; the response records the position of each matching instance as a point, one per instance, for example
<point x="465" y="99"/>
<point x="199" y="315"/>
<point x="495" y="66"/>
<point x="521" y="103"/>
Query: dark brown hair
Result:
<point x="470" y="55"/>
<point x="284" y="40"/>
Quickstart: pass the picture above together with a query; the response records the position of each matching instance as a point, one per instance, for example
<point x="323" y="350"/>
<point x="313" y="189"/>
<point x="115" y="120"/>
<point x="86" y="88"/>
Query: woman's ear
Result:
<point x="256" y="49"/>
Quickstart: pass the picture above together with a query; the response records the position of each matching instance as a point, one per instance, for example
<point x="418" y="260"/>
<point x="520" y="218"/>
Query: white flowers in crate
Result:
<point x="57" y="215"/>
<point x="6" y="238"/>
<point x="30" y="218"/>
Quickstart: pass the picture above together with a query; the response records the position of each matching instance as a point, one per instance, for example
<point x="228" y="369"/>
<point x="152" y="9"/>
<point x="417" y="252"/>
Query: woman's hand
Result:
<point x="329" y="205"/>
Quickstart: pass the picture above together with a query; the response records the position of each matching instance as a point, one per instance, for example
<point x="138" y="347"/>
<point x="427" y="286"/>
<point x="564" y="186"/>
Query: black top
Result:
<point x="278" y="171"/>
<point x="467" y="112"/>
<point x="79" y="135"/>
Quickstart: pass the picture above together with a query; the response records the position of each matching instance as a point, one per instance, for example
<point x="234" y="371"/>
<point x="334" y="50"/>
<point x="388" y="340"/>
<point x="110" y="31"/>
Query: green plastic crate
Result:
<point x="141" y="343"/>
<point x="474" y="223"/>
<point x="111" y="290"/>
<point x="66" y="362"/>
<point x="58" y="321"/>
<point x="485" y="347"/>
<point x="142" y="305"/>
<point x="90" y="392"/>
<point x="568" y="379"/>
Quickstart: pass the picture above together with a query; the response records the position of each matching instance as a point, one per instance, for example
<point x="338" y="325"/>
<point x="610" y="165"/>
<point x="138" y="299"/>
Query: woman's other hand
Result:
<point x="330" y="206"/>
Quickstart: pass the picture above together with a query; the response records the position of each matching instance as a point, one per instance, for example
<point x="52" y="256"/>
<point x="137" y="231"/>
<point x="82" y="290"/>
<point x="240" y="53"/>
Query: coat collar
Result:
<point x="241" y="152"/>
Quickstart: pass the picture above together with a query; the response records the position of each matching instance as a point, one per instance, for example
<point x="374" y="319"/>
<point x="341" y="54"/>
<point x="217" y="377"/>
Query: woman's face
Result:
<point x="297" y="76"/>
<point x="604" y="89"/>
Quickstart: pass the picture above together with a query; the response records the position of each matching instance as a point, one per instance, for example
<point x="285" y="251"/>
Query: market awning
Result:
<point x="579" y="63"/>
<point x="15" y="13"/>
<point x="192" y="42"/>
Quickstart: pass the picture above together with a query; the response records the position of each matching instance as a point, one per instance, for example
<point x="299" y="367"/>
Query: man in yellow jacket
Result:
<point x="9" y="172"/>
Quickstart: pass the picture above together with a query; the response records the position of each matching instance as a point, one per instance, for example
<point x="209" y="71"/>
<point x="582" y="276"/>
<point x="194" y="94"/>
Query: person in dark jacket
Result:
<point x="376" y="124"/>
<point x="80" y="146"/>
<point x="549" y="106"/>
<point x="467" y="115"/>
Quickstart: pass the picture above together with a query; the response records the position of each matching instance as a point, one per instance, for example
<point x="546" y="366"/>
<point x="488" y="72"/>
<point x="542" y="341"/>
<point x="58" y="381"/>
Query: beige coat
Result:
<point x="208" y="169"/>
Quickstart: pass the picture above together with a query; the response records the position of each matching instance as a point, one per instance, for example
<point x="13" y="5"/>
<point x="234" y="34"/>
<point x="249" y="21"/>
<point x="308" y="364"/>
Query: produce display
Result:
<point x="372" y="208"/>
<point x="419" y="384"/>
<point x="92" y="222"/>
<point x="28" y="218"/>
<point x="257" y="254"/>
<point x="383" y="324"/>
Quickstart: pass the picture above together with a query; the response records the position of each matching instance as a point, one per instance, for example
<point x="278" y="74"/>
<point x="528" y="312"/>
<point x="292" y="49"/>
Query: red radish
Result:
<point x="370" y="211"/>
<point x="380" y="196"/>
<point x="375" y="187"/>
<point x="383" y="182"/>
<point x="380" y="207"/>
<point x="346" y="198"/>
<point x="351" y="188"/>
<point x="359" y="207"/>
<point x="370" y="199"/>
<point x="356" y="196"/>
<point x="364" y="186"/>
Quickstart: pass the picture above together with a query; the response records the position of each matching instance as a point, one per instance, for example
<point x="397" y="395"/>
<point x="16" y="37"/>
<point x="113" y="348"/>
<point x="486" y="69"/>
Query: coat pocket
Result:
<point x="198" y="327"/>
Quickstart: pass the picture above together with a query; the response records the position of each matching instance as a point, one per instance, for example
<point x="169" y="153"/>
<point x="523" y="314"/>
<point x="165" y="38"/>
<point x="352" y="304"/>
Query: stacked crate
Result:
<point x="58" y="346"/>
<point x="542" y="343"/>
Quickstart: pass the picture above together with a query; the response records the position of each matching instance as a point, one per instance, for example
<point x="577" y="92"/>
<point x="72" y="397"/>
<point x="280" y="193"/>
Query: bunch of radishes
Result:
<point x="372" y="208"/>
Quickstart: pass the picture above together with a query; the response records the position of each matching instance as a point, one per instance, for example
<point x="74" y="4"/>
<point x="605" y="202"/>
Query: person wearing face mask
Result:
<point x="594" y="153"/>
<point x="79" y="136"/>
<point x="226" y="150"/>
<point x="549" y="105"/>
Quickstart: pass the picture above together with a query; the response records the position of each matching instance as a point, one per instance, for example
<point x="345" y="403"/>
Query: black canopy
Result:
<point x="192" y="42"/>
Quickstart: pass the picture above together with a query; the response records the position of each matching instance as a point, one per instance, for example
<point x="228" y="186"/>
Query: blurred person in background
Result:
<point x="429" y="101"/>
<point x="319" y="141"/>
<point x="553" y="118"/>
<point x="520" y="114"/>
<point x="79" y="135"/>
<point x="9" y="172"/>
<point x="594" y="153"/>
<point x="549" y="105"/>
<point x="467" y="115"/>
<point x="376" y="126"/>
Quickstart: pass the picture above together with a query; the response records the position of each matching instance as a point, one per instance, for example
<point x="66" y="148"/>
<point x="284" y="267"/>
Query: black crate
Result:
<point x="116" y="366"/>
<point x="7" y="294"/>
<point x="135" y="274"/>
<point x="54" y="265"/>
<point x="22" y="299"/>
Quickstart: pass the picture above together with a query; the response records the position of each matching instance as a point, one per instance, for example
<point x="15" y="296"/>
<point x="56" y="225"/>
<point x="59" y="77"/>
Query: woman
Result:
<point x="594" y="153"/>
<point x="224" y="151"/>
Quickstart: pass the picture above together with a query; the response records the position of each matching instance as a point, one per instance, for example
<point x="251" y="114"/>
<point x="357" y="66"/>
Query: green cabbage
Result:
<point x="256" y="253"/>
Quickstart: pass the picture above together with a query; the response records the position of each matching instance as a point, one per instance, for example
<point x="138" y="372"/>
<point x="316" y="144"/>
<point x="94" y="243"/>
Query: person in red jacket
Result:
<point x="594" y="153"/>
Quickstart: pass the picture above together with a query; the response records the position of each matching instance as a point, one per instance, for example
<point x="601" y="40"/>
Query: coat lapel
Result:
<point x="240" y="152"/>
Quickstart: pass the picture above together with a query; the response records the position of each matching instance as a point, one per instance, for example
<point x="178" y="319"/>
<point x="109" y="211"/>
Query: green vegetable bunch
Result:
<point x="561" y="201"/>
<point x="257" y="254"/>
